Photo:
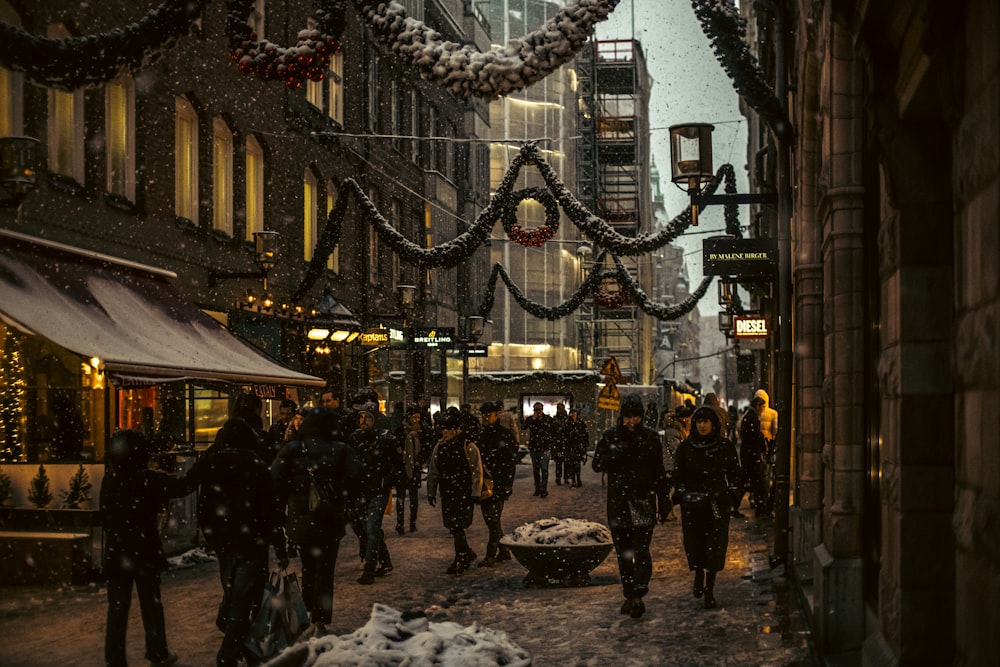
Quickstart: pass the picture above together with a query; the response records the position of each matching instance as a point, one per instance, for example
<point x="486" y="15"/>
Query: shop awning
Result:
<point x="126" y="314"/>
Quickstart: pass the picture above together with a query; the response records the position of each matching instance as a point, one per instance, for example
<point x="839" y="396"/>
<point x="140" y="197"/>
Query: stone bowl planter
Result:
<point x="559" y="551"/>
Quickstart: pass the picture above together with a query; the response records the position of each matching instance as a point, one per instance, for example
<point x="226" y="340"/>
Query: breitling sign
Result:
<point x="727" y="256"/>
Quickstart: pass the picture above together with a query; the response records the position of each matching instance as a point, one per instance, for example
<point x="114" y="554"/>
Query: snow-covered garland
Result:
<point x="91" y="60"/>
<point x="308" y="59"/>
<point x="462" y="247"/>
<point x="468" y="72"/>
<point x="493" y="378"/>
<point x="726" y="31"/>
<point x="589" y="286"/>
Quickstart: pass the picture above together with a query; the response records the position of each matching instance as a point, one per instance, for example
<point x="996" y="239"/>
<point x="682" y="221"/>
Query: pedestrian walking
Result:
<point x="706" y="475"/>
<point x="577" y="443"/>
<point x="238" y="516"/>
<point x="131" y="498"/>
<point x="313" y="479"/>
<point x="638" y="495"/>
<point x="498" y="450"/>
<point x="287" y="410"/>
<point x="416" y="445"/>
<point x="456" y="470"/>
<point x="753" y="459"/>
<point x="559" y="427"/>
<point x="381" y="470"/>
<point x="539" y="428"/>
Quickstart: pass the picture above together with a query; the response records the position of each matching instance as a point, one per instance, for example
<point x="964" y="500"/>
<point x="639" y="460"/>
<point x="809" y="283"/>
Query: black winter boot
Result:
<point x="699" y="582"/>
<point x="710" y="602"/>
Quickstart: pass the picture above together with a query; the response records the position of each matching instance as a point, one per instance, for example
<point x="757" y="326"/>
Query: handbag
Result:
<point x="486" y="492"/>
<point x="267" y="636"/>
<point x="295" y="616"/>
<point x="695" y="500"/>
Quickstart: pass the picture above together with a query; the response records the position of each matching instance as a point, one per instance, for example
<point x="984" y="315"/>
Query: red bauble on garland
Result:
<point x="532" y="238"/>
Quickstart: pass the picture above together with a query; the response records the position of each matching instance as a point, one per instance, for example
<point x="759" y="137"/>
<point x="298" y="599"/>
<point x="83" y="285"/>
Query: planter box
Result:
<point x="30" y="519"/>
<point x="28" y="557"/>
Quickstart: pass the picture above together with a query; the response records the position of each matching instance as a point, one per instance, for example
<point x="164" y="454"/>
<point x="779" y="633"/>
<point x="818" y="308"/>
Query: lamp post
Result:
<point x="473" y="329"/>
<point x="691" y="159"/>
<point x="407" y="299"/>
<point x="18" y="165"/>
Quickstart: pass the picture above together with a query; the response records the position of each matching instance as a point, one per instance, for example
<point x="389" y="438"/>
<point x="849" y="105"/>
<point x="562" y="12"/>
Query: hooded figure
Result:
<point x="768" y="417"/>
<point x="638" y="495"/>
<point x="707" y="478"/>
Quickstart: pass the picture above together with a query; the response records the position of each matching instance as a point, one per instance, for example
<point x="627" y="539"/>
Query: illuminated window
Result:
<point x="222" y="177"/>
<point x="331" y="200"/>
<point x="310" y="230"/>
<point x="254" y="187"/>
<point x="120" y="146"/>
<point x="66" y="133"/>
<point x="185" y="161"/>
<point x="335" y="86"/>
<point x="11" y="103"/>
<point x="314" y="89"/>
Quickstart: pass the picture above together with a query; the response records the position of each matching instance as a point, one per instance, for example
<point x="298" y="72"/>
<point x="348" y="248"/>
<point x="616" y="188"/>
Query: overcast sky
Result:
<point x="689" y="86"/>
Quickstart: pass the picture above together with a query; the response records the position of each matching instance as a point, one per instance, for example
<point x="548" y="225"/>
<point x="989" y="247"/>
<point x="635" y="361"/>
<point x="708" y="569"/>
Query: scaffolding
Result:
<point x="613" y="180"/>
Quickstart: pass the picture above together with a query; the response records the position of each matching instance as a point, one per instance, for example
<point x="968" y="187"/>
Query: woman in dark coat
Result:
<point x="638" y="495"/>
<point x="457" y="470"/>
<point x="753" y="458"/>
<point x="706" y="466"/>
<point x="316" y="531"/>
<point x="132" y="496"/>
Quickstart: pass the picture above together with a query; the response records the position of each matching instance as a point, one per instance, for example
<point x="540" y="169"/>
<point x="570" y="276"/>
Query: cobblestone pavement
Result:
<point x="758" y="621"/>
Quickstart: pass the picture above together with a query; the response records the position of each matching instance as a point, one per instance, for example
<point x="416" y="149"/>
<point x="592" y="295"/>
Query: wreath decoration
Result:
<point x="308" y="59"/>
<point x="610" y="299"/>
<point x="532" y="238"/>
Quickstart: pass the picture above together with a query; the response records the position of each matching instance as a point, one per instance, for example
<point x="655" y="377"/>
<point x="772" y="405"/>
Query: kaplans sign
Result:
<point x="726" y="256"/>
<point x="750" y="327"/>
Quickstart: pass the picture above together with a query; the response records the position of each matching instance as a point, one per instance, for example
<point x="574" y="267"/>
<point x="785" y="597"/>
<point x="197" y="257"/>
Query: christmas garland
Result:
<point x="77" y="62"/>
<point x="308" y="59"/>
<point x="533" y="238"/>
<point x="726" y="31"/>
<point x="468" y="72"/>
<point x="659" y="311"/>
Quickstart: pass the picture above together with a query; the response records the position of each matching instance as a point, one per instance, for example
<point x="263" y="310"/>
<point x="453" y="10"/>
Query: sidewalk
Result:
<point x="758" y="621"/>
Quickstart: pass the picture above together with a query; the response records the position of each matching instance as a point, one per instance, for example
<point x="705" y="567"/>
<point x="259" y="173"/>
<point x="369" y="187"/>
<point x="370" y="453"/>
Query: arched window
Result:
<point x="185" y="161"/>
<point x="119" y="105"/>
<point x="254" y="187"/>
<point x="222" y="177"/>
<point x="65" y="131"/>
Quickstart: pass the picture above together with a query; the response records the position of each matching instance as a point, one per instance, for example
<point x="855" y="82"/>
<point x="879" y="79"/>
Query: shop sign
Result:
<point x="725" y="256"/>
<point x="377" y="337"/>
<point x="397" y="338"/>
<point x="750" y="327"/>
<point x="437" y="338"/>
<point x="476" y="350"/>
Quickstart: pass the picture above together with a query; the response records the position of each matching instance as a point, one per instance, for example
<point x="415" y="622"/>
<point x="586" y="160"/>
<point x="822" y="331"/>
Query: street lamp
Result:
<point x="265" y="255"/>
<point x="18" y="165"/>
<point x="407" y="299"/>
<point x="691" y="159"/>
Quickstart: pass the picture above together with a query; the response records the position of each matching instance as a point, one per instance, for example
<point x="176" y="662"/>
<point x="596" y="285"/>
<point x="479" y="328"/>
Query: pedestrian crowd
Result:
<point x="296" y="486"/>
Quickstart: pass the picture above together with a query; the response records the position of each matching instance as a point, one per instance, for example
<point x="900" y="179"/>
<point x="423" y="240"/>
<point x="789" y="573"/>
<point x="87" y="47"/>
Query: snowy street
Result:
<point x="756" y="623"/>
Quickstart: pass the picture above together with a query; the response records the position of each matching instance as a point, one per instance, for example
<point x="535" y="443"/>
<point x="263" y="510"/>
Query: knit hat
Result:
<point x="632" y="407"/>
<point x="488" y="408"/>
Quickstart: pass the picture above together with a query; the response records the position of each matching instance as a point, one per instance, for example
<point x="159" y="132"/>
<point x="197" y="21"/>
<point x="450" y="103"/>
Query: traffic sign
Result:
<point x="609" y="398"/>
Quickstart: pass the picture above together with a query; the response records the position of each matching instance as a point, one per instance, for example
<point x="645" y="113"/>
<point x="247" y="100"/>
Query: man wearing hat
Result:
<point x="638" y="495"/>
<point x="498" y="449"/>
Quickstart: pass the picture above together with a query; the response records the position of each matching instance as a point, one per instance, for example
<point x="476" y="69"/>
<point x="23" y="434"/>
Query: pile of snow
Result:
<point x="555" y="532"/>
<point x="392" y="638"/>
<point x="190" y="558"/>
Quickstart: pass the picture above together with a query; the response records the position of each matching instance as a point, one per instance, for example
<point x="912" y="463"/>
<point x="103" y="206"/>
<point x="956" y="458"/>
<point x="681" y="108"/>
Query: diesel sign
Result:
<point x="750" y="327"/>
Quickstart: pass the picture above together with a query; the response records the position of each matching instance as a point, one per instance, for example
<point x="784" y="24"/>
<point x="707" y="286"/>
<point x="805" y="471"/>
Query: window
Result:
<point x="120" y="145"/>
<point x="396" y="115"/>
<point x="314" y="89"/>
<point x="332" y="193"/>
<point x="310" y="231"/>
<point x="186" y="161"/>
<point x="373" y="249"/>
<point x="414" y="126"/>
<point x="432" y="145"/>
<point x="65" y="126"/>
<point x="254" y="187"/>
<point x="396" y="220"/>
<point x="11" y="103"/>
<point x="222" y="177"/>
<point x="256" y="19"/>
<point x="335" y="83"/>
<point x="373" y="84"/>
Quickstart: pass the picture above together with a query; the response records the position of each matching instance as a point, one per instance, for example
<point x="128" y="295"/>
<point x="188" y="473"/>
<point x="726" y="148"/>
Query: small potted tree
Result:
<point x="38" y="492"/>
<point x="78" y="495"/>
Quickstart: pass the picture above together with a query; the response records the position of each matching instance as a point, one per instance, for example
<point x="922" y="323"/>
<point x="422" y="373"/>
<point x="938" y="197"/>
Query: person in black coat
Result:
<point x="457" y="470"/>
<point x="638" y="495"/>
<point x="238" y="516"/>
<point x="132" y="496"/>
<point x="577" y="442"/>
<point x="753" y="459"/>
<point x="498" y="450"/>
<point x="707" y="478"/>
<point x="414" y="440"/>
<point x="381" y="469"/>
<point x="317" y="530"/>
<point x="540" y="429"/>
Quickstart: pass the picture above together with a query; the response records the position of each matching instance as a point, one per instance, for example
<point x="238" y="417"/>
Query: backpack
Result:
<point x="322" y="495"/>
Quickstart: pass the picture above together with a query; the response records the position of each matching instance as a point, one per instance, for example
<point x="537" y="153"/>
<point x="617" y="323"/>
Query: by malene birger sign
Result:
<point x="727" y="256"/>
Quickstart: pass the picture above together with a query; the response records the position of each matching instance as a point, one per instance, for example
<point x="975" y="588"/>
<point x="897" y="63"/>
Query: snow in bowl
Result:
<point x="559" y="551"/>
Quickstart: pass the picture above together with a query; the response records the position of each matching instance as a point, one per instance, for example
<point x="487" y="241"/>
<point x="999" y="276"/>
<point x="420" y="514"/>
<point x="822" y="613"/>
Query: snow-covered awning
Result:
<point x="126" y="314"/>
